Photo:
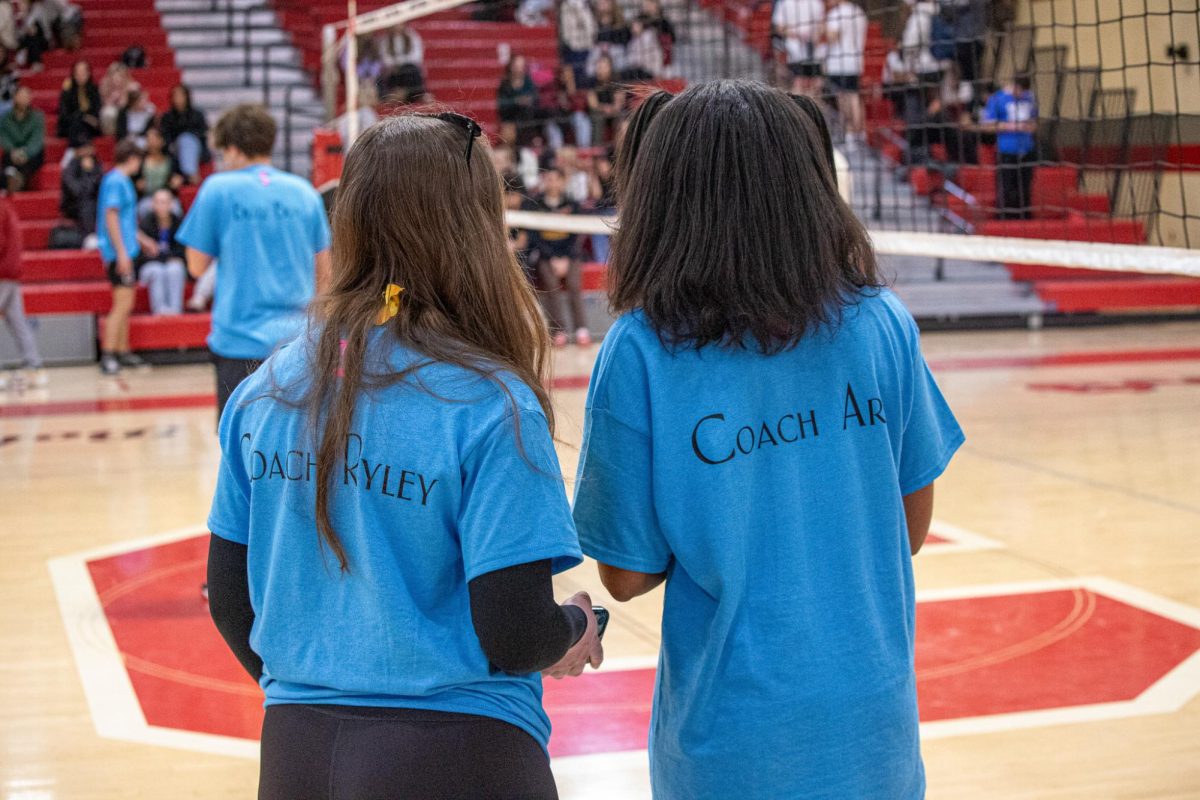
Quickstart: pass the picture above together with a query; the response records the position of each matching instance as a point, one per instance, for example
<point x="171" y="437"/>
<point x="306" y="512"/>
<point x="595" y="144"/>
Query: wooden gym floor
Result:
<point x="1059" y="619"/>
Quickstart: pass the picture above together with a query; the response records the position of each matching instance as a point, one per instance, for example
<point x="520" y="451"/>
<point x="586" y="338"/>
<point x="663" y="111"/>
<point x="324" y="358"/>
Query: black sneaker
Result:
<point x="131" y="360"/>
<point x="109" y="364"/>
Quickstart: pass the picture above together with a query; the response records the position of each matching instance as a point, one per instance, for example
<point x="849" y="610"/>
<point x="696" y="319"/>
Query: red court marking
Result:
<point x="976" y="656"/>
<point x="933" y="538"/>
<point x="1066" y="359"/>
<point x="165" y="402"/>
<point x="108" y="405"/>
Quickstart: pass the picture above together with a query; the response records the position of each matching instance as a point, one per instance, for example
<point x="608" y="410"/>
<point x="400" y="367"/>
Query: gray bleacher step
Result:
<point x="225" y="96"/>
<point x="220" y="37"/>
<point x="204" y="6"/>
<point x="223" y="56"/>
<point x="236" y="74"/>
<point x="174" y="20"/>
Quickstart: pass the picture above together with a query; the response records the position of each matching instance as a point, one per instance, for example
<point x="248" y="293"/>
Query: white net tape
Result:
<point x="952" y="247"/>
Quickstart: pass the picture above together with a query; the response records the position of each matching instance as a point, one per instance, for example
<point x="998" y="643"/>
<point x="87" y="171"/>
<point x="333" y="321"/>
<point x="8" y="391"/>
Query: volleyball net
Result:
<point x="1025" y="152"/>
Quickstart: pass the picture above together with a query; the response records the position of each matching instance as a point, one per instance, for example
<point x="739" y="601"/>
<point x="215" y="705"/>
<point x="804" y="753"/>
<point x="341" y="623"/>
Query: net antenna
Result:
<point x="344" y="34"/>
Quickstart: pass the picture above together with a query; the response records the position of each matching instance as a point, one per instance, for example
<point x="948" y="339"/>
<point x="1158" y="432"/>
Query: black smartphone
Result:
<point x="601" y="619"/>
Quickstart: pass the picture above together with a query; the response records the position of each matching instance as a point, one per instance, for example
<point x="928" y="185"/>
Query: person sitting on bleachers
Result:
<point x="577" y="34"/>
<point x="160" y="266"/>
<point x="159" y="170"/>
<point x="81" y="189"/>
<point x="403" y="57"/>
<point x="79" y="105"/>
<point x="36" y="32"/>
<point x="570" y="104"/>
<point x="9" y="43"/>
<point x="8" y="79"/>
<point x="516" y="101"/>
<point x="115" y="87"/>
<point x="22" y="138"/>
<point x="136" y="117"/>
<point x="644" y="55"/>
<point x="186" y="131"/>
<point x="606" y="103"/>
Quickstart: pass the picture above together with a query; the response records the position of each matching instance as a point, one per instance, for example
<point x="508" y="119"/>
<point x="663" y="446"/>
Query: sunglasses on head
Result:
<point x="468" y="125"/>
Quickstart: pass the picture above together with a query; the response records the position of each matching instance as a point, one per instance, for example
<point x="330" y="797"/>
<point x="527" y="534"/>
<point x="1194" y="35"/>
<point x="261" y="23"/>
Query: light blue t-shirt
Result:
<point x="117" y="191"/>
<point x="432" y="492"/>
<point x="264" y="227"/>
<point x="1006" y="107"/>
<point x="770" y="491"/>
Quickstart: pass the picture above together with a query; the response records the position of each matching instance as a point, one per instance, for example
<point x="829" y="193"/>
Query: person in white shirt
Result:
<point x="799" y="23"/>
<point x="916" y="41"/>
<point x="846" y="39"/>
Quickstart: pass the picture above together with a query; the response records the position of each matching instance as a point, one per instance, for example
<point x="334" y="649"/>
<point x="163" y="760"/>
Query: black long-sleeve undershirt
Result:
<point x="520" y="627"/>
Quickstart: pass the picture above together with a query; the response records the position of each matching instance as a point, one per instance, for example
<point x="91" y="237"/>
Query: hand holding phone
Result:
<point x="588" y="650"/>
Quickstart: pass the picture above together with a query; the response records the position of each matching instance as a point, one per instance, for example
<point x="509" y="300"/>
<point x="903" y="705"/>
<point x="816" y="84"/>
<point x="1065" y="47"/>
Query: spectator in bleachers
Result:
<point x="136" y="117"/>
<point x="403" y="56"/>
<point x="652" y="17"/>
<point x="949" y="117"/>
<point x="800" y="24"/>
<point x="916" y="42"/>
<point x="558" y="265"/>
<point x="185" y="130"/>
<point x="577" y="34"/>
<point x="79" y="105"/>
<point x="80" y="189"/>
<point x="576" y="180"/>
<point x="969" y="21"/>
<point x="159" y="170"/>
<point x="115" y="87"/>
<point x="644" y="60"/>
<point x="845" y="35"/>
<point x="528" y="12"/>
<point x="9" y="81"/>
<point x="117" y="229"/>
<point x="22" y="138"/>
<point x="606" y="102"/>
<point x="570" y="104"/>
<point x="9" y="43"/>
<point x="12" y="304"/>
<point x="1012" y="113"/>
<point x="36" y="33"/>
<point x="161" y="264"/>
<point x="516" y="101"/>
<point x="603" y="200"/>
<point x="611" y="28"/>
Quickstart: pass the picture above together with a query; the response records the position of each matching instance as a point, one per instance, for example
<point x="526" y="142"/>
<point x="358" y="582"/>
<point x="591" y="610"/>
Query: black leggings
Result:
<point x="325" y="752"/>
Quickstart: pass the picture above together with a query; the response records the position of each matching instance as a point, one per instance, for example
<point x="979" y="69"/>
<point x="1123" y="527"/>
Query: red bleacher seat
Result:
<point x="1117" y="294"/>
<point x="51" y="266"/>
<point x="175" y="332"/>
<point x="79" y="297"/>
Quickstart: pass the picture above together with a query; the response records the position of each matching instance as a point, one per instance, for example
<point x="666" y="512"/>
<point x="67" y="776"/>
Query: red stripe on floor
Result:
<point x="165" y="402"/>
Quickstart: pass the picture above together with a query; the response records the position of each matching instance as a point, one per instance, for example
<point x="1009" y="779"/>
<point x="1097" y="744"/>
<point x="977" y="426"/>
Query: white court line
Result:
<point x="959" y="540"/>
<point x="117" y="714"/>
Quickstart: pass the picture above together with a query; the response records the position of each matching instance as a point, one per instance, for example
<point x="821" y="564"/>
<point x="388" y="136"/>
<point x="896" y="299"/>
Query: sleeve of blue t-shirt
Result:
<point x="514" y="506"/>
<point x="319" y="228"/>
<point x="201" y="228"/>
<point x="229" y="516"/>
<point x="614" y="486"/>
<point x="931" y="434"/>
<point x="110" y="194"/>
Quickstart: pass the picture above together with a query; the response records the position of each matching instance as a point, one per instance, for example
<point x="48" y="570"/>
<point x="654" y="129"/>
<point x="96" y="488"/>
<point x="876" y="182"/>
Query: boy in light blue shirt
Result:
<point x="117" y="231"/>
<point x="269" y="233"/>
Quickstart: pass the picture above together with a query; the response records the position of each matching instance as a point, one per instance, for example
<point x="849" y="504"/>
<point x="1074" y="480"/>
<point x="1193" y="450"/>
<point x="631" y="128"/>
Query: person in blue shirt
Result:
<point x="762" y="436"/>
<point x="117" y="232"/>
<point x="268" y="232"/>
<point x="390" y="509"/>
<point x="1012" y="113"/>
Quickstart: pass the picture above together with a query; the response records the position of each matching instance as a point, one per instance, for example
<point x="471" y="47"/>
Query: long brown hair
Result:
<point x="732" y="230"/>
<point x="412" y="211"/>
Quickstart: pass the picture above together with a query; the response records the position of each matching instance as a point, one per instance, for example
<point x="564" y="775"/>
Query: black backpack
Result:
<point x="66" y="237"/>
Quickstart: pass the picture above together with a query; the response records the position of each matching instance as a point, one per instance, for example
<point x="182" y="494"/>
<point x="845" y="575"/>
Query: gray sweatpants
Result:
<point x="12" y="308"/>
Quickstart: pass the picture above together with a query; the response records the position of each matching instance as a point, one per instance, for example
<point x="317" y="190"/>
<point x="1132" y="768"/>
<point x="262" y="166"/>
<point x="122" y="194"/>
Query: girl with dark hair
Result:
<point x="516" y="101"/>
<point x="390" y="508"/>
<point x="606" y="102"/>
<point x="79" y="105"/>
<point x="762" y="435"/>
<point x="185" y="130"/>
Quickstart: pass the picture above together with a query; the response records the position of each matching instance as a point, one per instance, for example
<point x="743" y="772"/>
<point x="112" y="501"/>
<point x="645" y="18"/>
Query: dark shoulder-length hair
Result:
<point x="732" y="230"/>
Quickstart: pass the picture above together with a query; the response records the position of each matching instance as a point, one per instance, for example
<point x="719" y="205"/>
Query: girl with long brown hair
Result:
<point x="390" y="508"/>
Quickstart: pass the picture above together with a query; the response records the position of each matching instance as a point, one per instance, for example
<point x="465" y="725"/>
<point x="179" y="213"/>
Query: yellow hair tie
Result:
<point x="391" y="303"/>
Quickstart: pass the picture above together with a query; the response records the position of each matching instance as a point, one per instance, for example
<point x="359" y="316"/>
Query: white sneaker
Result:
<point x="36" y="378"/>
<point x="3" y="380"/>
<point x="91" y="242"/>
